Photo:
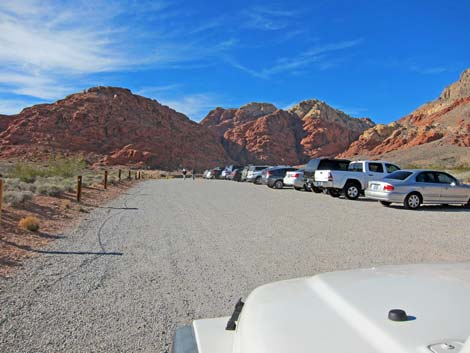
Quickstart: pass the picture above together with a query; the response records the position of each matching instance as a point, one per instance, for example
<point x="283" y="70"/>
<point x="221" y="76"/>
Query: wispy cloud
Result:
<point x="47" y="47"/>
<point x="196" y="106"/>
<point x="268" y="18"/>
<point x="427" y="70"/>
<point x="320" y="55"/>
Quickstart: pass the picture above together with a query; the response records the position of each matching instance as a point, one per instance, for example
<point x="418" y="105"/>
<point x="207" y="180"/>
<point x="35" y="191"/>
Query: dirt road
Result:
<point x="169" y="251"/>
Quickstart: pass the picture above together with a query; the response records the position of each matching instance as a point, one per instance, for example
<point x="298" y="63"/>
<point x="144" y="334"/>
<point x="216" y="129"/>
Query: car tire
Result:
<point x="278" y="184"/>
<point x="352" y="190"/>
<point x="298" y="189"/>
<point x="316" y="190"/>
<point x="413" y="201"/>
<point x="385" y="203"/>
<point x="334" y="193"/>
<point x="257" y="180"/>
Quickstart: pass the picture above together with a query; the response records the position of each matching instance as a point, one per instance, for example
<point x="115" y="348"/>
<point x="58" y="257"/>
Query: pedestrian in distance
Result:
<point x="184" y="172"/>
<point x="193" y="175"/>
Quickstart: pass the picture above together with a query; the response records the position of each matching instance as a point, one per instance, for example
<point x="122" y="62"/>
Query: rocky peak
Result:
<point x="459" y="89"/>
<point x="256" y="110"/>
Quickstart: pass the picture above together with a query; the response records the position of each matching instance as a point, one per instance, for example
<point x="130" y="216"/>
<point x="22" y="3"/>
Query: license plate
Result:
<point x="374" y="186"/>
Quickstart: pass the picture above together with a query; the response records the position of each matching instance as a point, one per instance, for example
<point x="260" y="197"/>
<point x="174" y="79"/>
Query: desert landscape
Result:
<point x="249" y="177"/>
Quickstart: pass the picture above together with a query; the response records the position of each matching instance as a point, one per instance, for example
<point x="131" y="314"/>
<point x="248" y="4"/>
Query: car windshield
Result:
<point x="399" y="175"/>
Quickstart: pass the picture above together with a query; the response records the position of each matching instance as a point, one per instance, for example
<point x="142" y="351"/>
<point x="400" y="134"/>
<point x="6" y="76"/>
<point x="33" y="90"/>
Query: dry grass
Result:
<point x="30" y="223"/>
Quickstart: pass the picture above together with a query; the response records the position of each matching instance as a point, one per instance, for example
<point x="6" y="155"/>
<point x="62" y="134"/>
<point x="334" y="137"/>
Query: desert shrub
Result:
<point x="26" y="172"/>
<point x="66" y="204"/>
<point x="50" y="189"/>
<point x="30" y="223"/>
<point x="17" y="198"/>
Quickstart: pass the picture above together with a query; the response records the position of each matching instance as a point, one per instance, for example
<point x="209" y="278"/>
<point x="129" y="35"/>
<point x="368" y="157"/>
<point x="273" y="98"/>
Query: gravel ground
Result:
<point x="169" y="251"/>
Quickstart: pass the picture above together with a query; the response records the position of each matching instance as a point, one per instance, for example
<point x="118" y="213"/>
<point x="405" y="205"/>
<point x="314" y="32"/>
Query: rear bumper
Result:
<point x="323" y="184"/>
<point x="385" y="196"/>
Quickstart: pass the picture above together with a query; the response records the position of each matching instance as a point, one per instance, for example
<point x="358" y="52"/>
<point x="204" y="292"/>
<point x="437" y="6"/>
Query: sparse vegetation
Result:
<point x="17" y="198"/>
<point x="64" y="167"/>
<point x="30" y="223"/>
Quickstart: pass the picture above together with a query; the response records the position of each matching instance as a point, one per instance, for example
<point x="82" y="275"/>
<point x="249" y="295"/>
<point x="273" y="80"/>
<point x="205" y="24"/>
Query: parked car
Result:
<point x="322" y="164"/>
<point x="274" y="177"/>
<point x="405" y="309"/>
<point x="228" y="170"/>
<point x="215" y="173"/>
<point x="205" y="174"/>
<point x="353" y="181"/>
<point x="244" y="173"/>
<point x="295" y="179"/>
<point x="236" y="174"/>
<point x="254" y="173"/>
<point x="414" y="187"/>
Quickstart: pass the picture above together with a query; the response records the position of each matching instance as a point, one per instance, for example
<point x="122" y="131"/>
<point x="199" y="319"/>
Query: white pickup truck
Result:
<point x="354" y="181"/>
<point x="391" y="309"/>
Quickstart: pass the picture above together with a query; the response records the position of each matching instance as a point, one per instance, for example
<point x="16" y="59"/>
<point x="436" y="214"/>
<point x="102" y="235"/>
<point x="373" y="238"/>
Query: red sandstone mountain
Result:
<point x="259" y="132"/>
<point x="437" y="133"/>
<point x="114" y="126"/>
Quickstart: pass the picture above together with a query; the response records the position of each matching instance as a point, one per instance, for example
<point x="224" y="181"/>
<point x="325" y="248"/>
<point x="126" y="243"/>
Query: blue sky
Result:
<point x="380" y="59"/>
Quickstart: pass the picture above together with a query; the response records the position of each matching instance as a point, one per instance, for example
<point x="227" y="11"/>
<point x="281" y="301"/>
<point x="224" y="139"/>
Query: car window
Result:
<point x="445" y="178"/>
<point x="391" y="168"/>
<point x="260" y="168"/>
<point x="313" y="164"/>
<point x="426" y="177"/>
<point x="355" y="167"/>
<point x="399" y="175"/>
<point x="376" y="167"/>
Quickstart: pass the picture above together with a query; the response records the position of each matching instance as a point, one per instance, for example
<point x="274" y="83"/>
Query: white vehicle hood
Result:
<point x="348" y="312"/>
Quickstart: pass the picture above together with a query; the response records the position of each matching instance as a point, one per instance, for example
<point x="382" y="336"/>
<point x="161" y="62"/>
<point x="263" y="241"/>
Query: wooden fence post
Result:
<point x="105" y="179"/>
<point x="79" y="188"/>
<point x="119" y="174"/>
<point x="135" y="175"/>
<point x="1" y="197"/>
<point x="129" y="177"/>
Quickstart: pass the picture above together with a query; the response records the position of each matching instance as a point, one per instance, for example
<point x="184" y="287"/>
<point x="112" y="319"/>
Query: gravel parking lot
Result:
<point x="169" y="251"/>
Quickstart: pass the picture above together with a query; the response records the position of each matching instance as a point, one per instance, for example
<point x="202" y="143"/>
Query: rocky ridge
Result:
<point x="111" y="126"/>
<point x="438" y="128"/>
<point x="261" y="133"/>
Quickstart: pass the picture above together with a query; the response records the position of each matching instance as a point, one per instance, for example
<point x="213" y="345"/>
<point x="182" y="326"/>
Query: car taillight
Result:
<point x="330" y="176"/>
<point x="296" y="175"/>
<point x="388" y="187"/>
<point x="268" y="174"/>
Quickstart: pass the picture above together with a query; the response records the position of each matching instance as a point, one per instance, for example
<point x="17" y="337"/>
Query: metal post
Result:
<point x="79" y="188"/>
<point x="105" y="179"/>
<point x="119" y="174"/>
<point x="129" y="177"/>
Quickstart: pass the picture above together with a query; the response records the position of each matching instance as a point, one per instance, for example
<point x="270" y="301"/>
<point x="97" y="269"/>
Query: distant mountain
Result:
<point x="261" y="133"/>
<point x="112" y="126"/>
<point x="437" y="133"/>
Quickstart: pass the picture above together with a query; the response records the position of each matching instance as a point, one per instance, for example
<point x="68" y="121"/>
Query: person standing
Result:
<point x="184" y="171"/>
<point x="193" y="175"/>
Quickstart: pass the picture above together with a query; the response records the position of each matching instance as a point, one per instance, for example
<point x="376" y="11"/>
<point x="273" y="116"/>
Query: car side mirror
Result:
<point x="453" y="184"/>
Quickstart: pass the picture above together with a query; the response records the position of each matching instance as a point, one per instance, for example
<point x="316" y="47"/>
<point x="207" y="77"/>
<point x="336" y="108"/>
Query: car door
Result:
<point x="451" y="191"/>
<point x="375" y="172"/>
<point x="428" y="187"/>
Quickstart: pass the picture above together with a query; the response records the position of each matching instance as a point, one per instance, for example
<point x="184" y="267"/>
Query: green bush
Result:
<point x="64" y="167"/>
<point x="50" y="189"/>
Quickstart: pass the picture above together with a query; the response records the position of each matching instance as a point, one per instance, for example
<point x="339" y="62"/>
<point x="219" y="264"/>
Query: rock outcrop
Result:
<point x="434" y="134"/>
<point x="112" y="126"/>
<point x="261" y="133"/>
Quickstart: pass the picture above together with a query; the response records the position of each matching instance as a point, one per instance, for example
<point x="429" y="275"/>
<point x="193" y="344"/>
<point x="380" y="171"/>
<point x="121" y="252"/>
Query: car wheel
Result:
<point x="258" y="180"/>
<point x="278" y="184"/>
<point x="334" y="193"/>
<point x="351" y="191"/>
<point x="298" y="189"/>
<point x="412" y="201"/>
<point x="385" y="203"/>
<point x="316" y="190"/>
<point x="467" y="205"/>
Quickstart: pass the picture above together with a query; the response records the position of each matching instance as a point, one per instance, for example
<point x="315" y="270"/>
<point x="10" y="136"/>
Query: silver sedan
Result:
<point x="413" y="188"/>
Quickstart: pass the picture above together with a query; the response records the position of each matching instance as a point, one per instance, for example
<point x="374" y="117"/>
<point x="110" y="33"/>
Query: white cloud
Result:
<point x="196" y="106"/>
<point x="268" y="18"/>
<point x="320" y="55"/>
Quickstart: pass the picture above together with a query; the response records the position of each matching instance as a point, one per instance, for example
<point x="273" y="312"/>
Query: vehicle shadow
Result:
<point x="434" y="208"/>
